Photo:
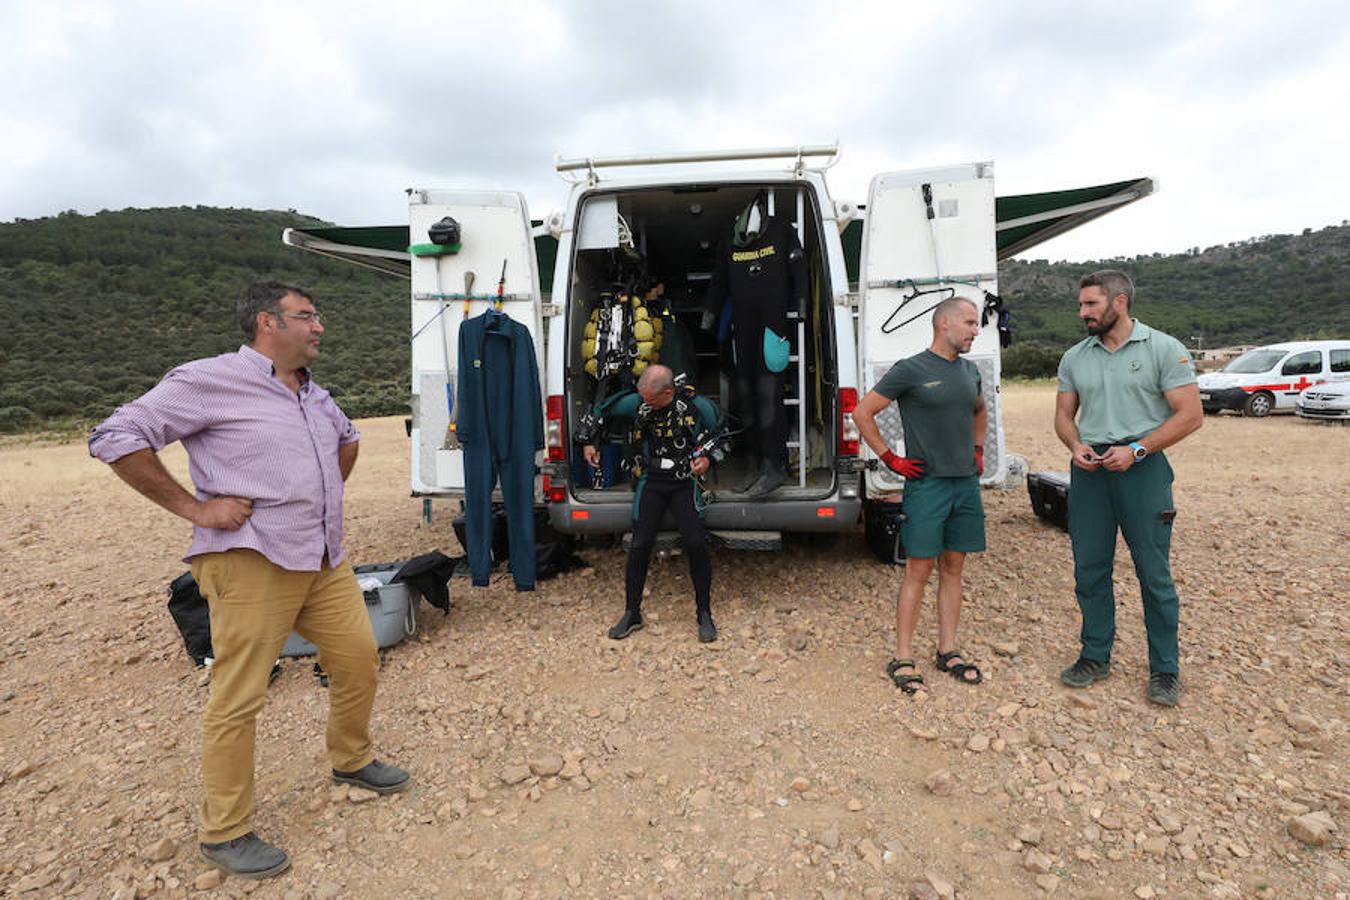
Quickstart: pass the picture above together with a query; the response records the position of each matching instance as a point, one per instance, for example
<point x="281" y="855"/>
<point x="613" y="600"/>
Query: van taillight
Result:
<point x="554" y="438"/>
<point x="554" y="493"/>
<point x="848" y="432"/>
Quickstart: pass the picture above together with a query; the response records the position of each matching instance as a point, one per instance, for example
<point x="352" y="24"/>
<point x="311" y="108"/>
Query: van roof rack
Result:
<point x="590" y="163"/>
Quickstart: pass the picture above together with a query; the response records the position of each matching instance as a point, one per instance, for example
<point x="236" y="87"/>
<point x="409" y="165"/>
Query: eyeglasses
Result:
<point x="309" y="318"/>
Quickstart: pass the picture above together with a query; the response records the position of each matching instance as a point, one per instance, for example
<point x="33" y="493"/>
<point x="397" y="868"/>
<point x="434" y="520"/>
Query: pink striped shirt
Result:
<point x="246" y="435"/>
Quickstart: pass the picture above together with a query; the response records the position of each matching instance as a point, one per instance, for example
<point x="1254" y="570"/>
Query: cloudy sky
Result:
<point x="333" y="108"/>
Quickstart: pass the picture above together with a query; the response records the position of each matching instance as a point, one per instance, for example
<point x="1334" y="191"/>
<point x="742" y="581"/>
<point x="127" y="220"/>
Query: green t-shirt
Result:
<point x="937" y="400"/>
<point x="1120" y="394"/>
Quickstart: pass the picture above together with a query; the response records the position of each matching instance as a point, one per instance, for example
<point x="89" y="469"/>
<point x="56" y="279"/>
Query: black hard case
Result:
<point x="1049" y="492"/>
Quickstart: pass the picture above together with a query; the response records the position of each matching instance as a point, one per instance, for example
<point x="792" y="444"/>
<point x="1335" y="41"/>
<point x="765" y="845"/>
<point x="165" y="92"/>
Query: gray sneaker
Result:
<point x="376" y="776"/>
<point x="248" y="856"/>
<point x="1085" y="672"/>
<point x="1164" y="688"/>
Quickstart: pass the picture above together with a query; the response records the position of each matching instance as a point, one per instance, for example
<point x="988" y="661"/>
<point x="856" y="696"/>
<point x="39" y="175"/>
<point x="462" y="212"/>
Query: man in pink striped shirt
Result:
<point x="268" y="452"/>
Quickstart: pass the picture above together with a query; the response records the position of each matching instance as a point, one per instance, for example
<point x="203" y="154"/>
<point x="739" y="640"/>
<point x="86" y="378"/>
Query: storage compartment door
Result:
<point x="494" y="230"/>
<point x="928" y="235"/>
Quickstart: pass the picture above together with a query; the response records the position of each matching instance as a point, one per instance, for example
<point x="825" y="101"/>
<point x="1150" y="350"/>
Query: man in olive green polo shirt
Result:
<point x="944" y="418"/>
<point x="1133" y="391"/>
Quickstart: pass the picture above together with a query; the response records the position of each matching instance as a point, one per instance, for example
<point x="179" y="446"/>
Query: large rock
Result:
<point x="1303" y="724"/>
<point x="940" y="783"/>
<point x="34" y="882"/>
<point x="162" y="850"/>
<point x="547" y="764"/>
<point x="941" y="886"/>
<point x="1037" y="862"/>
<point x="1313" y="829"/>
<point x="869" y="853"/>
<point x="208" y="880"/>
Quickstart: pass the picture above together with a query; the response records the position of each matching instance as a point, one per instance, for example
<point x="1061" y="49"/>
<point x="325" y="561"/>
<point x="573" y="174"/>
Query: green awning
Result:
<point x="376" y="237"/>
<point x="1024" y="220"/>
<point x="385" y="247"/>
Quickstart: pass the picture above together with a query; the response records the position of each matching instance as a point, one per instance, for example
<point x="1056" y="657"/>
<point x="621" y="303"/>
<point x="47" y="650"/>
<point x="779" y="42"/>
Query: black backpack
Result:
<point x="192" y="616"/>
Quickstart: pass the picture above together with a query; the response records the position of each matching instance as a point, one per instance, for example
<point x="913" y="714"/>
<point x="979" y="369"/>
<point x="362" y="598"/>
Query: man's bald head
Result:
<point x="956" y="322"/>
<point x="656" y="384"/>
<point x="655" y="378"/>
<point x="950" y="307"/>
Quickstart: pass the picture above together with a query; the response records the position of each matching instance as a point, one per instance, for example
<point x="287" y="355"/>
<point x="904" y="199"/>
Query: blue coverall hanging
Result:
<point x="501" y="428"/>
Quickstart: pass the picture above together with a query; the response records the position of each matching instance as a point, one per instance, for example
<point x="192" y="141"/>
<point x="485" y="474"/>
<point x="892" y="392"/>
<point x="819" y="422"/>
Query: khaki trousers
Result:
<point x="255" y="605"/>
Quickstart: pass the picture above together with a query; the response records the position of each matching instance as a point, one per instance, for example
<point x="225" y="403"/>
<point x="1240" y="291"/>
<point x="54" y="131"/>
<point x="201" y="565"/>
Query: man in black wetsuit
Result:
<point x="667" y="419"/>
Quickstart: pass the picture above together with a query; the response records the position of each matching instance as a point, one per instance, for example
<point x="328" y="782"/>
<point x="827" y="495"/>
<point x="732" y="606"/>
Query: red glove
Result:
<point x="979" y="459"/>
<point x="903" y="465"/>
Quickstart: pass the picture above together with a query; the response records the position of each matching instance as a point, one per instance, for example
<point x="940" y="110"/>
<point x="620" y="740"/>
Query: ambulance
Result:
<point x="1269" y="379"/>
<point x="876" y="272"/>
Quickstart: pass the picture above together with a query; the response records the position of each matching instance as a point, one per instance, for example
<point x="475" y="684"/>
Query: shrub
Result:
<point x="1029" y="359"/>
<point x="15" y="418"/>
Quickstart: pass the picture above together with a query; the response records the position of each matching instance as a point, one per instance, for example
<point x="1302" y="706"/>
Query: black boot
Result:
<point x="707" y="631"/>
<point x="752" y="474"/>
<point x="629" y="622"/>
<point x="774" y="474"/>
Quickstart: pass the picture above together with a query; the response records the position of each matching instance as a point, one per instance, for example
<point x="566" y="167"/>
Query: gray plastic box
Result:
<point x="392" y="609"/>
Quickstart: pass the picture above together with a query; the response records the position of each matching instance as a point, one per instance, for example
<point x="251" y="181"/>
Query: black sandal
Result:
<point x="959" y="670"/>
<point x="911" y="683"/>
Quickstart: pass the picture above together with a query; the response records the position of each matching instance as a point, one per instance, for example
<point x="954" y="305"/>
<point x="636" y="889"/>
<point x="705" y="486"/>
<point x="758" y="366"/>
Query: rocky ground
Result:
<point x="778" y="762"/>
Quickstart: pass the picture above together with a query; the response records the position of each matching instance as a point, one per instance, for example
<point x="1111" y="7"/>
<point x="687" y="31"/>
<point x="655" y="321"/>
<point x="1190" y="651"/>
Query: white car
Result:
<point x="1325" y="401"/>
<point x="1269" y="379"/>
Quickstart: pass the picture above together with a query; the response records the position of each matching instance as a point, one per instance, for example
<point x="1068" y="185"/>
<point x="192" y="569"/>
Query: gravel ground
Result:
<point x="778" y="762"/>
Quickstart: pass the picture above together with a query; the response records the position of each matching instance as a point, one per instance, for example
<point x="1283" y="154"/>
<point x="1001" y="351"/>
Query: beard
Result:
<point x="1102" y="325"/>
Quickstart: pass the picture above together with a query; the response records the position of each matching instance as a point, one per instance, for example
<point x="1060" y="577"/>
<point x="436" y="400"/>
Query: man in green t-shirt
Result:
<point x="1133" y="391"/>
<point x="944" y="419"/>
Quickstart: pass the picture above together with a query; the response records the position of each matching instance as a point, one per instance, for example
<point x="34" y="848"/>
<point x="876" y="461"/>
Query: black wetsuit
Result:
<point x="666" y="436"/>
<point x="763" y="277"/>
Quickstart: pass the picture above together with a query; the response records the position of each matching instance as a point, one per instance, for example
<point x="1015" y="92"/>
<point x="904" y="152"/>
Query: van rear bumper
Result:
<point x="1223" y="398"/>
<point x="833" y="513"/>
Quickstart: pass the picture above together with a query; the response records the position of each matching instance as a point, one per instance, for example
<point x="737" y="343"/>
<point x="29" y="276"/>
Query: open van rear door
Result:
<point x="495" y="243"/>
<point x="929" y="235"/>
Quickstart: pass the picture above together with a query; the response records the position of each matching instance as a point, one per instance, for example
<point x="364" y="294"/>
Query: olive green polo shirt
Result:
<point x="937" y="400"/>
<point x="1120" y="394"/>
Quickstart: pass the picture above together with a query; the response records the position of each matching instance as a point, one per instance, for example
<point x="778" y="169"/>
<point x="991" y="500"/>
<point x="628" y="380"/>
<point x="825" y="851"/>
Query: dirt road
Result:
<point x="778" y="762"/>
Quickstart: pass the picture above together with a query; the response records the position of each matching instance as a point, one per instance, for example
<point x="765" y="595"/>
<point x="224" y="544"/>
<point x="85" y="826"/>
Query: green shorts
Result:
<point x="942" y="514"/>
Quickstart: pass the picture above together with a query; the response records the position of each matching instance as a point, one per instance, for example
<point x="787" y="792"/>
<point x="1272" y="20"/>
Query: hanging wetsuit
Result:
<point x="500" y="425"/>
<point x="764" y="274"/>
<point x="666" y="437"/>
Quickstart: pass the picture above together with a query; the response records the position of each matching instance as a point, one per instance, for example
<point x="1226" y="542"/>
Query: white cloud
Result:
<point x="334" y="108"/>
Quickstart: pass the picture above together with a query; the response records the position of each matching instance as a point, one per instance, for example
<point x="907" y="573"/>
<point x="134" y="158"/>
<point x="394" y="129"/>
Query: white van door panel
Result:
<point x="928" y="235"/>
<point x="1339" y="369"/>
<point x="495" y="231"/>
<point x="1299" y="370"/>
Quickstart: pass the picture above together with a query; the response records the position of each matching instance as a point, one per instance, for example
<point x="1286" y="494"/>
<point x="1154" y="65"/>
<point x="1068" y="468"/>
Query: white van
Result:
<point x="1269" y="379"/>
<point x="926" y="235"/>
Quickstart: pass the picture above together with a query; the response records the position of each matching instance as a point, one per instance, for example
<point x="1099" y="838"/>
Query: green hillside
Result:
<point x="1273" y="288"/>
<point x="94" y="309"/>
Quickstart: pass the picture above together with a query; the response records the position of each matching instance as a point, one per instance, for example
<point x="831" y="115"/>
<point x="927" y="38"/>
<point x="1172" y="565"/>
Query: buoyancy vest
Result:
<point x="667" y="435"/>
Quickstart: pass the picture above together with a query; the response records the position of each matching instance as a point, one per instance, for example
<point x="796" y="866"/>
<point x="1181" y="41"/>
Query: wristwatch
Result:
<point x="1140" y="451"/>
